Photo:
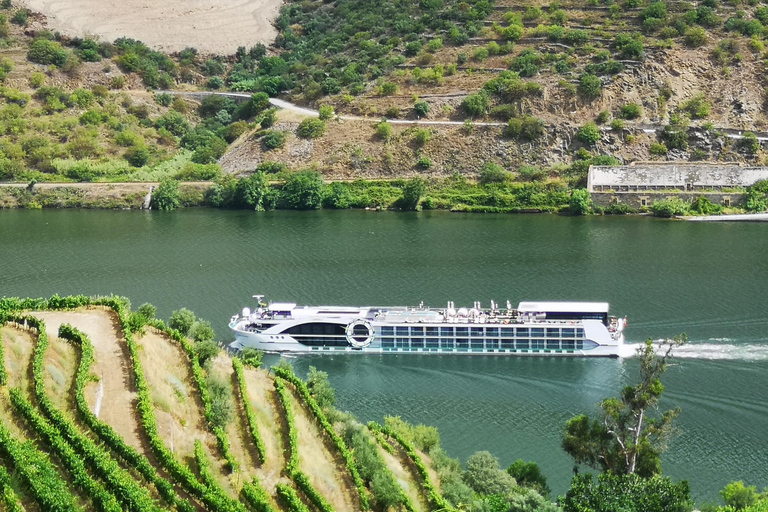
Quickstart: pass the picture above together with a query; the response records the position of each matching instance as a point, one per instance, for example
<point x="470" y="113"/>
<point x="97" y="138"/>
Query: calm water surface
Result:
<point x="708" y="280"/>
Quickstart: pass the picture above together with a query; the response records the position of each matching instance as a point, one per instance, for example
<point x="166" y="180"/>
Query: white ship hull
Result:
<point x="575" y="329"/>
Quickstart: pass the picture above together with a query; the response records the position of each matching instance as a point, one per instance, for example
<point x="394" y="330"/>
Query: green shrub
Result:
<point x="603" y="117"/>
<point x="384" y="131"/>
<point x="43" y="51"/>
<point x="182" y="320"/>
<point x="273" y="139"/>
<point x="421" y="108"/>
<point x="476" y="105"/>
<point x="303" y="191"/>
<point x="526" y="128"/>
<point x="658" y="149"/>
<point x="137" y="156"/>
<point x="424" y="163"/>
<point x="388" y="88"/>
<point x="311" y="128"/>
<point x="590" y="86"/>
<point x="669" y="207"/>
<point x="631" y="111"/>
<point x="588" y="134"/>
<point x="165" y="99"/>
<point x="749" y="143"/>
<point x="695" y="37"/>
<point x="20" y="17"/>
<point x="326" y="112"/>
<point x="698" y="107"/>
<point x="493" y="173"/>
<point x="422" y="136"/>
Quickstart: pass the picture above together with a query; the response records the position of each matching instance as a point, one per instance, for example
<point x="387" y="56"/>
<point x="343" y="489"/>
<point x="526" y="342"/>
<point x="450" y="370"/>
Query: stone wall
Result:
<point x="645" y="198"/>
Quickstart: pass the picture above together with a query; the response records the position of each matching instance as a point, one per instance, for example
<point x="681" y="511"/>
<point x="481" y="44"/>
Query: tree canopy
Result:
<point x="625" y="438"/>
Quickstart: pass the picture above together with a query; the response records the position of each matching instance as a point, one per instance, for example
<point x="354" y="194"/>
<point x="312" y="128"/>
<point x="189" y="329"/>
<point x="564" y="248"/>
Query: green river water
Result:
<point x="709" y="280"/>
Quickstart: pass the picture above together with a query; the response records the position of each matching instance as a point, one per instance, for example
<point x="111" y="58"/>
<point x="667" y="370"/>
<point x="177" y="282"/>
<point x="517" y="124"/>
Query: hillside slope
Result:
<point x="133" y="408"/>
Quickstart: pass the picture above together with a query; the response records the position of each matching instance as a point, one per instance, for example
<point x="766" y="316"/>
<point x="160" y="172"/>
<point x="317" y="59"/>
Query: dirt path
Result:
<point x="260" y="393"/>
<point x="404" y="478"/>
<point x="327" y="477"/>
<point x="110" y="366"/>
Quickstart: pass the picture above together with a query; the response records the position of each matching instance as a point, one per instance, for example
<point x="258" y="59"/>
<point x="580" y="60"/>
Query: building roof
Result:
<point x="563" y="307"/>
<point x="695" y="175"/>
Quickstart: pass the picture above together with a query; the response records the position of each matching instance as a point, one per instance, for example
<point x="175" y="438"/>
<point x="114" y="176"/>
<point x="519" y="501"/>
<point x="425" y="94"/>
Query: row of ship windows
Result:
<point x="462" y="343"/>
<point x="479" y="332"/>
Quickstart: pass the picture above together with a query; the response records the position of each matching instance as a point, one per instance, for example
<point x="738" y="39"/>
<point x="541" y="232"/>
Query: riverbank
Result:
<point x="107" y="196"/>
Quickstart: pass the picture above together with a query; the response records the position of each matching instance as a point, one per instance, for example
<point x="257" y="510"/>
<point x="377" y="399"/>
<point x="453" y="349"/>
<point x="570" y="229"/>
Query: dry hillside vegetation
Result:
<point x="178" y="403"/>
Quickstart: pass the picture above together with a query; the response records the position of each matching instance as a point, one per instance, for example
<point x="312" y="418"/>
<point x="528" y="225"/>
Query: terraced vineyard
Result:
<point x="101" y="411"/>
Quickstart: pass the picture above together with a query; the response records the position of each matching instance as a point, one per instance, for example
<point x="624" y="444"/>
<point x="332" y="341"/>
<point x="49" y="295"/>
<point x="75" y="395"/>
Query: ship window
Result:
<point x="462" y="331"/>
<point x="388" y="342"/>
<point x="537" y="331"/>
<point x="492" y="331"/>
<point x="477" y="344"/>
<point x="579" y="333"/>
<point x="525" y="343"/>
<point x="446" y="343"/>
<point x="462" y="343"/>
<point x="476" y="331"/>
<point x="446" y="331"/>
<point x="579" y="344"/>
<point x="432" y="343"/>
<point x="569" y="344"/>
<point x="569" y="333"/>
<point x="553" y="344"/>
<point x="316" y="328"/>
<point x="432" y="331"/>
<point x="401" y="342"/>
<point x="553" y="332"/>
<point x="387" y="331"/>
<point x="417" y="342"/>
<point x="401" y="331"/>
<point x="507" y="344"/>
<point x="417" y="331"/>
<point x="507" y="332"/>
<point x="523" y="332"/>
<point x="537" y="344"/>
<point x="492" y="343"/>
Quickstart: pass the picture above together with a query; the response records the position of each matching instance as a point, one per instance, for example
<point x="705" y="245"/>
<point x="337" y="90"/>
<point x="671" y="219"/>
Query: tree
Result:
<point x="303" y="191"/>
<point x="201" y="331"/>
<point x="166" y="195"/>
<point x="251" y="191"/>
<point x="182" y="320"/>
<point x="528" y="474"/>
<point x="484" y="475"/>
<point x="43" y="51"/>
<point x="412" y="193"/>
<point x="148" y="311"/>
<point x="739" y="496"/>
<point x="320" y="388"/>
<point x="206" y="350"/>
<point x="580" y="202"/>
<point x="626" y="493"/>
<point x="624" y="439"/>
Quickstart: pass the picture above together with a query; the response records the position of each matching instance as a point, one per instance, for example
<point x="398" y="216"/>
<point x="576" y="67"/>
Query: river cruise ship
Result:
<point x="532" y="328"/>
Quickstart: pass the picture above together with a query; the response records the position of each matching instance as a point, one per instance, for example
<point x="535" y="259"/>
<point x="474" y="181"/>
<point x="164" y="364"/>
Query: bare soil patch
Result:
<point x="118" y="404"/>
<point x="180" y="418"/>
<point x="18" y="346"/>
<point x="326" y="476"/>
<point x="261" y="395"/>
<point x="404" y="479"/>
<point x="211" y="26"/>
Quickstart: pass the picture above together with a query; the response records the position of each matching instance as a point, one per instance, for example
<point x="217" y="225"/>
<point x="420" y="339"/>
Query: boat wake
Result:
<point x="714" y="351"/>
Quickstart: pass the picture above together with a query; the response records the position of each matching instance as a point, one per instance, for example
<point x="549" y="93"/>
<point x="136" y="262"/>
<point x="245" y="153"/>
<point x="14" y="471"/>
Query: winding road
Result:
<point x="731" y="133"/>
